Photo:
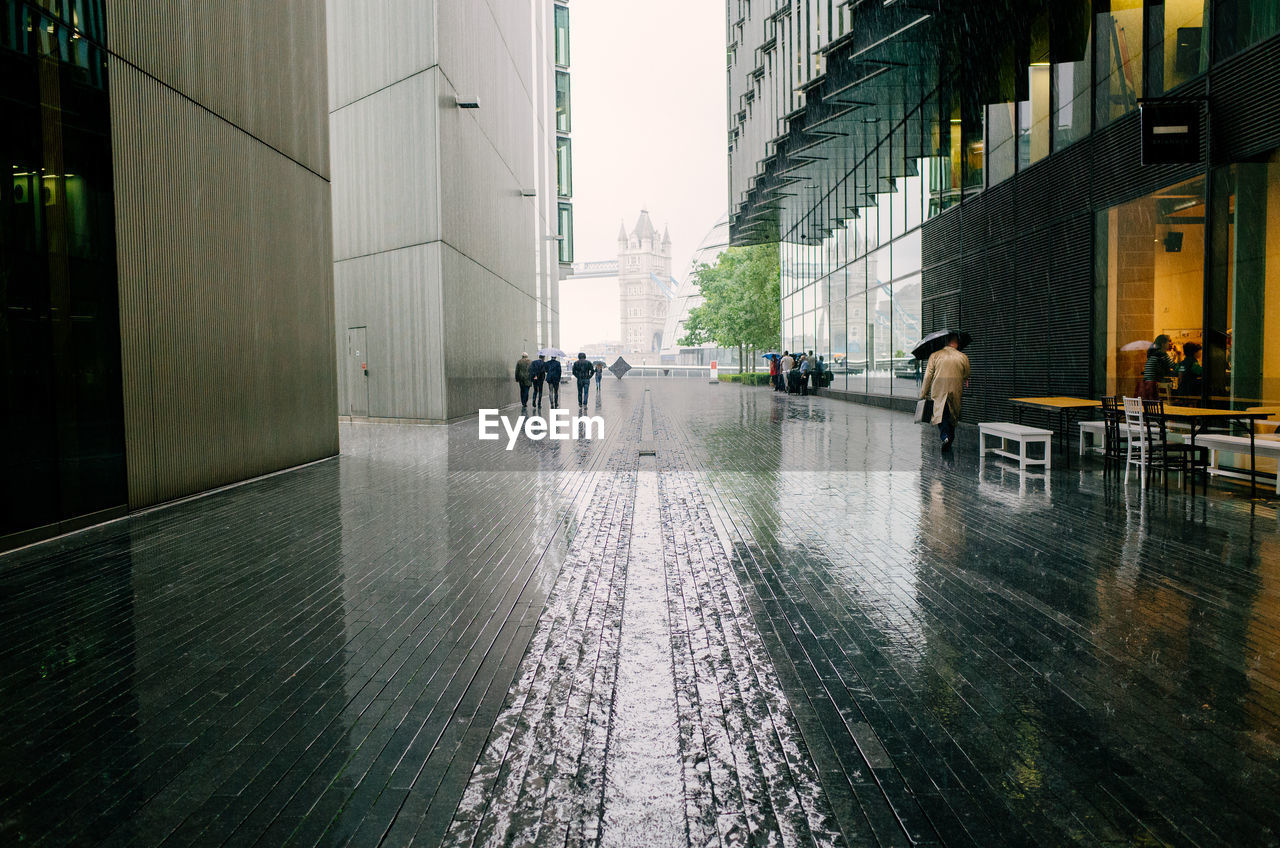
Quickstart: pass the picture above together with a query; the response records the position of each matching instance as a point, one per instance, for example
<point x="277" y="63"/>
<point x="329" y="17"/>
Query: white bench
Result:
<point x="1238" y="445"/>
<point x="1006" y="432"/>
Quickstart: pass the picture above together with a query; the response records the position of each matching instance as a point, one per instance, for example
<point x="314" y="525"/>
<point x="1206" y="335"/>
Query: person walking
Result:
<point x="522" y="378"/>
<point x="805" y="368"/>
<point x="583" y="371"/>
<point x="553" y="382"/>
<point x="788" y="363"/>
<point x="538" y="374"/>
<point x="945" y="378"/>
<point x="599" y="377"/>
<point x="1158" y="370"/>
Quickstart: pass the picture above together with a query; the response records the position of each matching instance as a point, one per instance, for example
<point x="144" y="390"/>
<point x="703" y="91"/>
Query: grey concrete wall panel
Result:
<point x="396" y="296"/>
<point x="489" y="323"/>
<point x="261" y="65"/>
<point x="375" y="44"/>
<point x="226" y="293"/>
<point x="386" y="194"/>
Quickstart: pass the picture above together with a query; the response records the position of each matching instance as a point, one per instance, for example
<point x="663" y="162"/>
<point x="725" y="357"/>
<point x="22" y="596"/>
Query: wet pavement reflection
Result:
<point x="796" y="620"/>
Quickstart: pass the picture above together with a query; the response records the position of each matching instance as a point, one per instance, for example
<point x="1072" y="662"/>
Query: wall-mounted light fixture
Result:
<point x="466" y="102"/>
<point x="528" y="192"/>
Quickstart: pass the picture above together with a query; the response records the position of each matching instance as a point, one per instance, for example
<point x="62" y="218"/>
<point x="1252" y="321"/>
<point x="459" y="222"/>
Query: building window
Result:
<point x="1071" y="45"/>
<point x="1238" y="24"/>
<point x="564" y="122"/>
<point x="1033" y="108"/>
<point x="564" y="167"/>
<point x="1151" y="260"/>
<point x="562" y="36"/>
<point x="1118" y="42"/>
<point x="565" y="231"/>
<point x="1241" y="358"/>
<point x="1176" y="49"/>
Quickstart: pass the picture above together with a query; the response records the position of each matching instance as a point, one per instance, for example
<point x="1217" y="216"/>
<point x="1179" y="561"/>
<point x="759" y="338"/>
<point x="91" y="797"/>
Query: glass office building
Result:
<point x="981" y="165"/>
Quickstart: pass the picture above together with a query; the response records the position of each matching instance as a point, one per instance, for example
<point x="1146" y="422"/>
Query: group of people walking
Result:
<point x="533" y="375"/>
<point x="800" y="374"/>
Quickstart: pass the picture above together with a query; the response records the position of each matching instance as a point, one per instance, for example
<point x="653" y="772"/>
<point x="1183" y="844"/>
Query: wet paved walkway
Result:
<point x="794" y="624"/>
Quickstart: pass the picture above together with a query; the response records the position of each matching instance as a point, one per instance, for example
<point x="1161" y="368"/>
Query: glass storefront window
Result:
<point x="880" y="340"/>
<point x="906" y="335"/>
<point x="1177" y="43"/>
<point x="1242" y="357"/>
<point x="1118" y="44"/>
<point x="1238" y="24"/>
<point x="564" y="120"/>
<point x="856" y="342"/>
<point x="1151" y="252"/>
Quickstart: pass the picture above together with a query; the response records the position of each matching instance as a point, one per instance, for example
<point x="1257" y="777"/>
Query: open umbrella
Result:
<point x="1139" y="345"/>
<point x="619" y="367"/>
<point x="936" y="341"/>
<point x="773" y="354"/>
<point x="552" y="351"/>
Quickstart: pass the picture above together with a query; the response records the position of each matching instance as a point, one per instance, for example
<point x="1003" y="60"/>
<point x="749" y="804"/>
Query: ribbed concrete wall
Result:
<point x="224" y="241"/>
<point x="437" y="250"/>
<point x="259" y="65"/>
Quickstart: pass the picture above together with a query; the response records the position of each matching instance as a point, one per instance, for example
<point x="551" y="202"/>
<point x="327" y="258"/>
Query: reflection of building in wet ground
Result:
<point x="862" y="642"/>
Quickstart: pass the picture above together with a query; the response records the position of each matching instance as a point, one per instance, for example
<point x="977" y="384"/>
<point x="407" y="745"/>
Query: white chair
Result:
<point x="1135" y="428"/>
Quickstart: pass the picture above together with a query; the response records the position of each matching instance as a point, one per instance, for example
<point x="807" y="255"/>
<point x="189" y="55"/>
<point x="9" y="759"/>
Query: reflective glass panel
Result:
<point x="1118" y="46"/>
<point x="1238" y="24"/>
<point x="1178" y="43"/>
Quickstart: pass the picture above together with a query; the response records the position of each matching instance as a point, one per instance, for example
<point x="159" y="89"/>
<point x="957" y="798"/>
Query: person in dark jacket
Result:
<point x="583" y="371"/>
<point x="1190" y="372"/>
<point x="522" y="378"/>
<point x="538" y="374"/>
<point x="553" y="382"/>
<point x="1158" y="369"/>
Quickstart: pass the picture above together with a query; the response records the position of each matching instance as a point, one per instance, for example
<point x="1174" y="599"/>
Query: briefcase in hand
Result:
<point x="924" y="411"/>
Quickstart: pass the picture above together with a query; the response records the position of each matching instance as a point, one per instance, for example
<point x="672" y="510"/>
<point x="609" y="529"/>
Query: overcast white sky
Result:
<point x="648" y="132"/>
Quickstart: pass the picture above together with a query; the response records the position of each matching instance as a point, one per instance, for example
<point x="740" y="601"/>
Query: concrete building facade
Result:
<point x="444" y="118"/>
<point x="645" y="285"/>
<point x="166" y="252"/>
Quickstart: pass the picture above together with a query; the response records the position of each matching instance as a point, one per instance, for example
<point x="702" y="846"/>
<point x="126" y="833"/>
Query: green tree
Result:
<point x="741" y="305"/>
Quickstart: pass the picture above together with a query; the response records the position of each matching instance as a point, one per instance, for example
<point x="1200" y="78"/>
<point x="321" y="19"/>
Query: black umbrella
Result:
<point x="934" y="342"/>
<point x="619" y="367"/>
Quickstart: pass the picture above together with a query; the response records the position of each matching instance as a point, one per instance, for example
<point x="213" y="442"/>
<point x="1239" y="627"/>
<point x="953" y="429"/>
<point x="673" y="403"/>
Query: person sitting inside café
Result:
<point x="1190" y="372"/>
<point x="1157" y="373"/>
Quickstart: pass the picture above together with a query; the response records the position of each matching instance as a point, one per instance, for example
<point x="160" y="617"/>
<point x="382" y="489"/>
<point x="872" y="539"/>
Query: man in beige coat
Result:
<point x="944" y="380"/>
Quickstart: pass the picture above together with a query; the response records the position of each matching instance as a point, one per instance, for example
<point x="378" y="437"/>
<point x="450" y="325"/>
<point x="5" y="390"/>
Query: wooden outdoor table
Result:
<point x="1064" y="406"/>
<point x="1200" y="418"/>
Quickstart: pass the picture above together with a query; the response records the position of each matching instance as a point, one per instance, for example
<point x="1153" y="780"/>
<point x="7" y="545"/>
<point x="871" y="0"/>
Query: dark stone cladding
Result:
<point x="1014" y="265"/>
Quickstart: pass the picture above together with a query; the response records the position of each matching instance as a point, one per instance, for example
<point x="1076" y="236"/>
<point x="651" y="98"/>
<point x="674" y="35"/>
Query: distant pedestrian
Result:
<point x="553" y="382"/>
<point x="806" y="367"/>
<point x="785" y="367"/>
<point x="538" y="374"/>
<point x="522" y="377"/>
<point x="945" y="379"/>
<point x="774" y="369"/>
<point x="820" y="370"/>
<point x="583" y="370"/>
<point x="599" y="377"/>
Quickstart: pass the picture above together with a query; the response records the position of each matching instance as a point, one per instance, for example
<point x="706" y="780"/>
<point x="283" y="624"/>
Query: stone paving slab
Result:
<point x="874" y="644"/>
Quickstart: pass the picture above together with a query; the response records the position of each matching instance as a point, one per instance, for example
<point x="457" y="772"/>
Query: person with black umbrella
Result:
<point x="945" y="379"/>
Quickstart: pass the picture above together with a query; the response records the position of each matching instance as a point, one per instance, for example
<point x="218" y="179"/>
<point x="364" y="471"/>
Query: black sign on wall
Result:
<point x="1171" y="133"/>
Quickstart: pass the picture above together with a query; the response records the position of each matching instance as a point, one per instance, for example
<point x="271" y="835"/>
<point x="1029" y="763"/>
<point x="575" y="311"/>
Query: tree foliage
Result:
<point x="742" y="306"/>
